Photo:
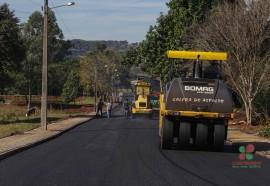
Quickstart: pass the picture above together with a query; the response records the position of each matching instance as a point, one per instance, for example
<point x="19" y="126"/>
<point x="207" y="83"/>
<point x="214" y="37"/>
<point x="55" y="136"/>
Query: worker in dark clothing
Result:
<point x="99" y="107"/>
<point x="126" y="107"/>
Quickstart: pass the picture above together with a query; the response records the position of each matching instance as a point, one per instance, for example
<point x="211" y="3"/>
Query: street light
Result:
<point x="113" y="83"/>
<point x="69" y="4"/>
<point x="44" y="93"/>
<point x="112" y="76"/>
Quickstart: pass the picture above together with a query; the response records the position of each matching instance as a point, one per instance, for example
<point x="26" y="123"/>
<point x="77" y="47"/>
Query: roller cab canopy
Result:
<point x="144" y="84"/>
<point x="143" y="88"/>
<point x="197" y="55"/>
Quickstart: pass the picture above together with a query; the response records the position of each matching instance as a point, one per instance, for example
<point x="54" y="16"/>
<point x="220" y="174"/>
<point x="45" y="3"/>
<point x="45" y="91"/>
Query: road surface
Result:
<point x="122" y="151"/>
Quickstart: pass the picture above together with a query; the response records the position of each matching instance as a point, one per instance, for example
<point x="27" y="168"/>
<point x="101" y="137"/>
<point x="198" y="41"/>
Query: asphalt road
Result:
<point x="122" y="152"/>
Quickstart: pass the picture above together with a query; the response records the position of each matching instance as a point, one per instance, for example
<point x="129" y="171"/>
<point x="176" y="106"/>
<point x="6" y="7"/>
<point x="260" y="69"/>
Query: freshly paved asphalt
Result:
<point x="122" y="151"/>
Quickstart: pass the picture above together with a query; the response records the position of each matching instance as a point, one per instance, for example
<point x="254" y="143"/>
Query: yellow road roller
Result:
<point x="141" y="105"/>
<point x="195" y="110"/>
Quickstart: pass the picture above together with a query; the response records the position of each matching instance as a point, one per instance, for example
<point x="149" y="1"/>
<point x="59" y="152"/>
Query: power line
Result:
<point x="23" y="12"/>
<point x="35" y="3"/>
<point x="65" y="25"/>
<point x="62" y="20"/>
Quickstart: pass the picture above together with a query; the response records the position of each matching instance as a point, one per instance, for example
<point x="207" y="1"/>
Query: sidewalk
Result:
<point x="262" y="145"/>
<point x="13" y="144"/>
<point x="20" y="142"/>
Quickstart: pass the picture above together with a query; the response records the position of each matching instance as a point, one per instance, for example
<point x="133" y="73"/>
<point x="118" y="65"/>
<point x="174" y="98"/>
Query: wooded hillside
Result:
<point x="81" y="47"/>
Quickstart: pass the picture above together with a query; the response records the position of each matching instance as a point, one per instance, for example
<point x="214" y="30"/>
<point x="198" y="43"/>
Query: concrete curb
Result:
<point x="265" y="154"/>
<point x="55" y="133"/>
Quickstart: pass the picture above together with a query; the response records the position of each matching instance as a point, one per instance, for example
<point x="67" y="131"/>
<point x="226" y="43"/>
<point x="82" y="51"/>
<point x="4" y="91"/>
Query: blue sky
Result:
<point x="98" y="19"/>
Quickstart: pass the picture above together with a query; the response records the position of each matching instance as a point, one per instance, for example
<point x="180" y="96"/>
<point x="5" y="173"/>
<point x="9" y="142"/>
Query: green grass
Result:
<point x="15" y="128"/>
<point x="85" y="101"/>
<point x="14" y="121"/>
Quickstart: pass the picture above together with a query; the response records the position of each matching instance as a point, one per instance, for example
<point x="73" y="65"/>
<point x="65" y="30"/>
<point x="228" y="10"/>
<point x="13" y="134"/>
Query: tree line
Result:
<point x="21" y="51"/>
<point x="240" y="28"/>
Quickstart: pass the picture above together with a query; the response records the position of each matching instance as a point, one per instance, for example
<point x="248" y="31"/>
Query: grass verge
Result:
<point x="13" y="119"/>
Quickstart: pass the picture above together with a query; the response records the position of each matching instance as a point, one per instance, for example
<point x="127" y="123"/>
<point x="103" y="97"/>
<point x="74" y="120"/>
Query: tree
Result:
<point x="93" y="72"/>
<point x="58" y="50"/>
<point x="58" y="74"/>
<point x="11" y="46"/>
<point x="101" y="47"/>
<point x="168" y="34"/>
<point x="131" y="57"/>
<point x="31" y="66"/>
<point x="72" y="88"/>
<point x="109" y="71"/>
<point x="261" y="103"/>
<point x="115" y="72"/>
<point x="242" y="30"/>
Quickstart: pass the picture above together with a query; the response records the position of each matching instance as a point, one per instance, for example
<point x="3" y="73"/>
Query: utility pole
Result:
<point x="95" y="88"/>
<point x="44" y="95"/>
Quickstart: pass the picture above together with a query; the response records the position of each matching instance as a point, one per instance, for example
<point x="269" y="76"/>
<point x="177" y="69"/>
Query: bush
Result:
<point x="259" y="119"/>
<point x="265" y="131"/>
<point x="9" y="114"/>
<point x="9" y="117"/>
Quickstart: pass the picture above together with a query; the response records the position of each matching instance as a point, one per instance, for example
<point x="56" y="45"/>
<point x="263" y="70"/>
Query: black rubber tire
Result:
<point x="202" y="135"/>
<point x="226" y="131"/>
<point x="219" y="137"/>
<point x="184" y="134"/>
<point x="167" y="134"/>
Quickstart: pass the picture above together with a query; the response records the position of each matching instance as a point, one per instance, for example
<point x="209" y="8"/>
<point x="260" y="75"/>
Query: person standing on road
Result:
<point x="99" y="107"/>
<point x="109" y="109"/>
<point x="126" y="108"/>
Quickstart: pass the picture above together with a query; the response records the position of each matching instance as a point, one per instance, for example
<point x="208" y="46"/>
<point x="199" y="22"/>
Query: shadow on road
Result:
<point x="110" y="129"/>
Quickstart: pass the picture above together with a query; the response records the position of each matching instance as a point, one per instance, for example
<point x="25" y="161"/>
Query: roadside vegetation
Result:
<point x="239" y="27"/>
<point x="13" y="119"/>
<point x="265" y="132"/>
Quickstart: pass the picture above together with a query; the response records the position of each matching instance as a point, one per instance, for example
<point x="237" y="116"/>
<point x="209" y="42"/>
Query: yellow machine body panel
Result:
<point x="195" y="55"/>
<point x="161" y="109"/>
